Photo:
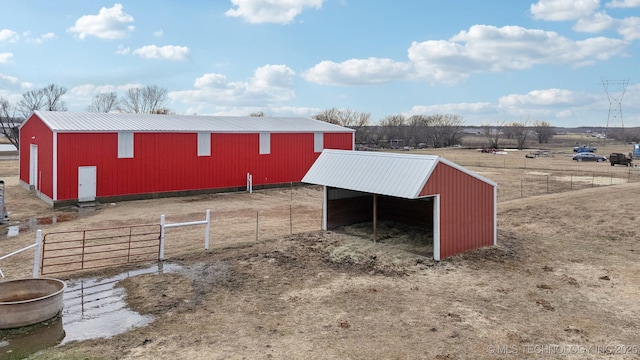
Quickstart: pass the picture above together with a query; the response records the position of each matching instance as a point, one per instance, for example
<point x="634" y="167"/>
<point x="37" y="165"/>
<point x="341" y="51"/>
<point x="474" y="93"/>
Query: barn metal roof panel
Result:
<point x="399" y="175"/>
<point x="111" y="122"/>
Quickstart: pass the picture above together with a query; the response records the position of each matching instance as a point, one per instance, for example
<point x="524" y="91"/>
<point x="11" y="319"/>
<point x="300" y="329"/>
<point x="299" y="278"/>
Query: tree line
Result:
<point x="438" y="130"/>
<point x="149" y="99"/>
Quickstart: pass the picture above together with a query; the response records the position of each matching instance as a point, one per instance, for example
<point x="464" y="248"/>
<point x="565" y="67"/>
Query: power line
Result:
<point x="615" y="98"/>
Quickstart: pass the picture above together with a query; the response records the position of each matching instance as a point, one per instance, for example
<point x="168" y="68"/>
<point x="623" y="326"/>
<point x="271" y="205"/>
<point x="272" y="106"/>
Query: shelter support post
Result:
<point x="375" y="218"/>
<point x="436" y="228"/>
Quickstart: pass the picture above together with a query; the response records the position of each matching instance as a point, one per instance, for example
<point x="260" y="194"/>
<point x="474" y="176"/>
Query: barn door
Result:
<point x="33" y="166"/>
<point x="86" y="183"/>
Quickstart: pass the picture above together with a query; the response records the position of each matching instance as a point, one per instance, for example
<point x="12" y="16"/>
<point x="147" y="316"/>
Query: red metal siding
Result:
<point x="165" y="162"/>
<point x="338" y="141"/>
<point x="466" y="210"/>
<point x="34" y="131"/>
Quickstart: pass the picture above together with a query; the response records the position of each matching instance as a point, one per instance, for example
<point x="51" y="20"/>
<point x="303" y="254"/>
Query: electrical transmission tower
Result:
<point x="615" y="98"/>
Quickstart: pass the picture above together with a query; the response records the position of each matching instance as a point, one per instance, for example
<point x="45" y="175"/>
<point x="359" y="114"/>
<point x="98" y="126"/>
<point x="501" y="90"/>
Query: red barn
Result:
<point x="69" y="157"/>
<point x="430" y="192"/>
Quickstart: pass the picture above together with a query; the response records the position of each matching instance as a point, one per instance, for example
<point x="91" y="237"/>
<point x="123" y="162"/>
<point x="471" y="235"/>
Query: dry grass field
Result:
<point x="562" y="283"/>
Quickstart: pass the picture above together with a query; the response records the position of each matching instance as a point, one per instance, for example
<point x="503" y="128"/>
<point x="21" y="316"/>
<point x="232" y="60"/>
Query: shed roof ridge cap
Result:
<point x="386" y="154"/>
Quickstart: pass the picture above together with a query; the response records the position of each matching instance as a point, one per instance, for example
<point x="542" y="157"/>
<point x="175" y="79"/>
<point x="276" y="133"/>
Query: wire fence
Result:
<point x="521" y="177"/>
<point x="265" y="214"/>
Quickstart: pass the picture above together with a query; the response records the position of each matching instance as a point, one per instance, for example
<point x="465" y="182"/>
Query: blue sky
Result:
<point x="487" y="61"/>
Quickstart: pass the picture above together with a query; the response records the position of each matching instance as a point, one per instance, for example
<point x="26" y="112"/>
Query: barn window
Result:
<point x="125" y="145"/>
<point x="265" y="143"/>
<point x="318" y="142"/>
<point x="204" y="144"/>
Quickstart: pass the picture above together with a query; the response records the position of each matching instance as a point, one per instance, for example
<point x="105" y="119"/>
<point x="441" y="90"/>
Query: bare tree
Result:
<point x="393" y="128"/>
<point x="493" y="133"/>
<point x="9" y="122"/>
<point x="257" y="114"/>
<point x="150" y="99"/>
<point x="520" y="132"/>
<point x="447" y="130"/>
<point x="419" y="127"/>
<point x="104" y="102"/>
<point x="332" y="116"/>
<point x="347" y="118"/>
<point x="544" y="131"/>
<point x="49" y="98"/>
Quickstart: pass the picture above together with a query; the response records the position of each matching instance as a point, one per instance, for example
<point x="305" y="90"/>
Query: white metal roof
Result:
<point x="399" y="175"/>
<point x="62" y="121"/>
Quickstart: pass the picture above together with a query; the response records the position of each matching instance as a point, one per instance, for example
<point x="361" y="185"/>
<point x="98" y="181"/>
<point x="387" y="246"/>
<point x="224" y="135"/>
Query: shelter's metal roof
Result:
<point x="399" y="175"/>
<point x="111" y="122"/>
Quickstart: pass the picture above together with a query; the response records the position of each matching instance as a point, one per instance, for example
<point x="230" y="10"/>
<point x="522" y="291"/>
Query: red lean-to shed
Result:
<point x="430" y="192"/>
<point x="69" y="157"/>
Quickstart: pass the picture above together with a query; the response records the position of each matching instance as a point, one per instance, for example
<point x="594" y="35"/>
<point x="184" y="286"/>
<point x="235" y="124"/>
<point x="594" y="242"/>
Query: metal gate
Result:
<point x="69" y="251"/>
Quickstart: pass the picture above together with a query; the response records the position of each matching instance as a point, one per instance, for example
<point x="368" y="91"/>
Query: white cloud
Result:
<point x="547" y="104"/>
<point x="357" y="72"/>
<point x="110" y="23"/>
<point x="273" y="11"/>
<point x="8" y="35"/>
<point x="12" y="80"/>
<point x="623" y="4"/>
<point x="5" y="57"/>
<point x="480" y="49"/>
<point x="453" y="108"/>
<point x="42" y="38"/>
<point x="168" y="52"/>
<point x="630" y="28"/>
<point x="158" y="33"/>
<point x="486" y="48"/>
<point x="9" y="79"/>
<point x="540" y="98"/>
<point x="91" y="89"/>
<point x="562" y="10"/>
<point x="270" y="85"/>
<point x="123" y="50"/>
<point x="211" y="81"/>
<point x="595" y="23"/>
<point x="555" y="103"/>
<point x="273" y="76"/>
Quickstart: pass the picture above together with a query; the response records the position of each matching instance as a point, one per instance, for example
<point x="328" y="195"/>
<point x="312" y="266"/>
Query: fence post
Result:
<point x="36" y="257"/>
<point x="206" y="234"/>
<point x="161" y="237"/>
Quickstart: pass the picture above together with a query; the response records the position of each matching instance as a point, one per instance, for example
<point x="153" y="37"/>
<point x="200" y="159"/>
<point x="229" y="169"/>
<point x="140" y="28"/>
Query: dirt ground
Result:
<point x="563" y="281"/>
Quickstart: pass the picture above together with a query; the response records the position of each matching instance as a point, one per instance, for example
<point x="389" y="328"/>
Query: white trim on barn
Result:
<point x="265" y="143"/>
<point x="318" y="142"/>
<point x="204" y="143"/>
<point x="55" y="166"/>
<point x="125" y="144"/>
<point x="436" y="228"/>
